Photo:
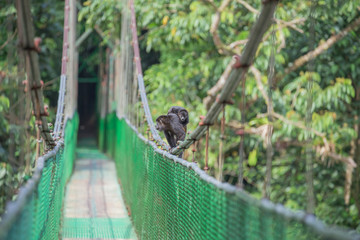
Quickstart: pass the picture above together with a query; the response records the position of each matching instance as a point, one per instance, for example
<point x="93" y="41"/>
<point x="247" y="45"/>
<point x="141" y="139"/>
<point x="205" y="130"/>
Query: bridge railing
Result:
<point x="36" y="213"/>
<point x="170" y="198"/>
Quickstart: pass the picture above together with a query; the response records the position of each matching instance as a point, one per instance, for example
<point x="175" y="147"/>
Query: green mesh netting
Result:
<point x="168" y="198"/>
<point x="171" y="199"/>
<point x="36" y="214"/>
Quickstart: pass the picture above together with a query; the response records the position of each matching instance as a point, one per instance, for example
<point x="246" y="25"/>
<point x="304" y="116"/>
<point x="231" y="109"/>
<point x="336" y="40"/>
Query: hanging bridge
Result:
<point x="133" y="187"/>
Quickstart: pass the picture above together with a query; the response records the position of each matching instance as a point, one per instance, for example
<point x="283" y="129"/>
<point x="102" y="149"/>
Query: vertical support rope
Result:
<point x="222" y="138"/>
<point x="310" y="206"/>
<point x="58" y="128"/>
<point x="269" y="149"/>
<point x="193" y="151"/>
<point x="142" y="91"/>
<point x="241" y="147"/>
<point x="206" y="168"/>
<point x="60" y="107"/>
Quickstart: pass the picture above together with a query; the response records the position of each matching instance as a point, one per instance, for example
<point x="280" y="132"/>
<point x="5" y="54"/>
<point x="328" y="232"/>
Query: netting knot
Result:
<point x="34" y="87"/>
<point x="238" y="63"/>
<point x="46" y="112"/>
<point x="202" y="123"/>
<point x="38" y="123"/>
<point x="25" y="82"/>
<point x="226" y="101"/>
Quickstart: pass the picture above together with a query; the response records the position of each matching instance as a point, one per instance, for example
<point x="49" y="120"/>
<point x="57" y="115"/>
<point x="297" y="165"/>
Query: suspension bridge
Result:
<point x="131" y="185"/>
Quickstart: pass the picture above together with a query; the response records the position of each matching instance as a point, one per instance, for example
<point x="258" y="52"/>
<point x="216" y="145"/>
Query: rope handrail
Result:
<point x="142" y="91"/>
<point x="13" y="209"/>
<point x="236" y="75"/>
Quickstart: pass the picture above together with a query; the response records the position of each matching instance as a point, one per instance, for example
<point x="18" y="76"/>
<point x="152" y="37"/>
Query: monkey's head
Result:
<point x="162" y="122"/>
<point x="184" y="116"/>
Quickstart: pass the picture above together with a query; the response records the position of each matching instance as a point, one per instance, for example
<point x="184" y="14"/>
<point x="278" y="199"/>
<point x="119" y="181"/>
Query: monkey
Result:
<point x="172" y="127"/>
<point x="183" y="115"/>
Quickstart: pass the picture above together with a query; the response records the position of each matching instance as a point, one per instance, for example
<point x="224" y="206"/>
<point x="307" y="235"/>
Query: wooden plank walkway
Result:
<point x="94" y="207"/>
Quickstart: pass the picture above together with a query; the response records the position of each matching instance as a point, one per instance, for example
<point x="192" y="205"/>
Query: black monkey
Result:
<point x="183" y="115"/>
<point x="173" y="129"/>
<point x="171" y="126"/>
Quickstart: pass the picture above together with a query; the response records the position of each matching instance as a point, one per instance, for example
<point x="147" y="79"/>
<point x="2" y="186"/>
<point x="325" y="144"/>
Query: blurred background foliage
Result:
<point x="182" y="63"/>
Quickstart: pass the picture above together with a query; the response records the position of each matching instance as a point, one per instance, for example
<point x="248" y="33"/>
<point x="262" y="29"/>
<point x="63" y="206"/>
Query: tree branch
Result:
<point x="221" y="47"/>
<point x="320" y="49"/>
<point x="8" y="40"/>
<point x="233" y="45"/>
<point x="248" y="6"/>
<point x="223" y="5"/>
<point x="211" y="3"/>
<point x="218" y="86"/>
<point x="230" y="49"/>
<point x="324" y="151"/>
<point x="291" y="24"/>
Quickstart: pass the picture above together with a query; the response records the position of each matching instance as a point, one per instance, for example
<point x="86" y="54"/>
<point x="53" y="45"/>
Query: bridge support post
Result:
<point x="72" y="63"/>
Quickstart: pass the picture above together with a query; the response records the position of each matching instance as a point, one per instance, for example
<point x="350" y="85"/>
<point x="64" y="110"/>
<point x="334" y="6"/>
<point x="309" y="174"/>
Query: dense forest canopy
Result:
<point x="186" y="49"/>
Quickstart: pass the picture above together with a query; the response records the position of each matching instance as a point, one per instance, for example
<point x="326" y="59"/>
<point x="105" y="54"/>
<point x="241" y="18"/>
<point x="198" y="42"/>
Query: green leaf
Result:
<point x="252" y="158"/>
<point x="2" y="172"/>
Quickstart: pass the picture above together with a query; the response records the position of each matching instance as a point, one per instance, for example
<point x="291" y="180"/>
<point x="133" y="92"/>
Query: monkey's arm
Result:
<point x="170" y="138"/>
<point x="179" y="133"/>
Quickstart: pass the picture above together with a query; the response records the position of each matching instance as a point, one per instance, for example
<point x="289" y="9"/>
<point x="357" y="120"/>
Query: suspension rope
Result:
<point x="310" y="206"/>
<point x="242" y="136"/>
<point x="142" y="90"/>
<point x="222" y="139"/>
<point x="269" y="149"/>
<point x="58" y="128"/>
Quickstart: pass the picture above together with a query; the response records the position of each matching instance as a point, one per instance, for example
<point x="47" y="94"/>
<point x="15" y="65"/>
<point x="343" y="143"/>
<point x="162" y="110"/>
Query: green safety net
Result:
<point x="36" y="213"/>
<point x="169" y="198"/>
